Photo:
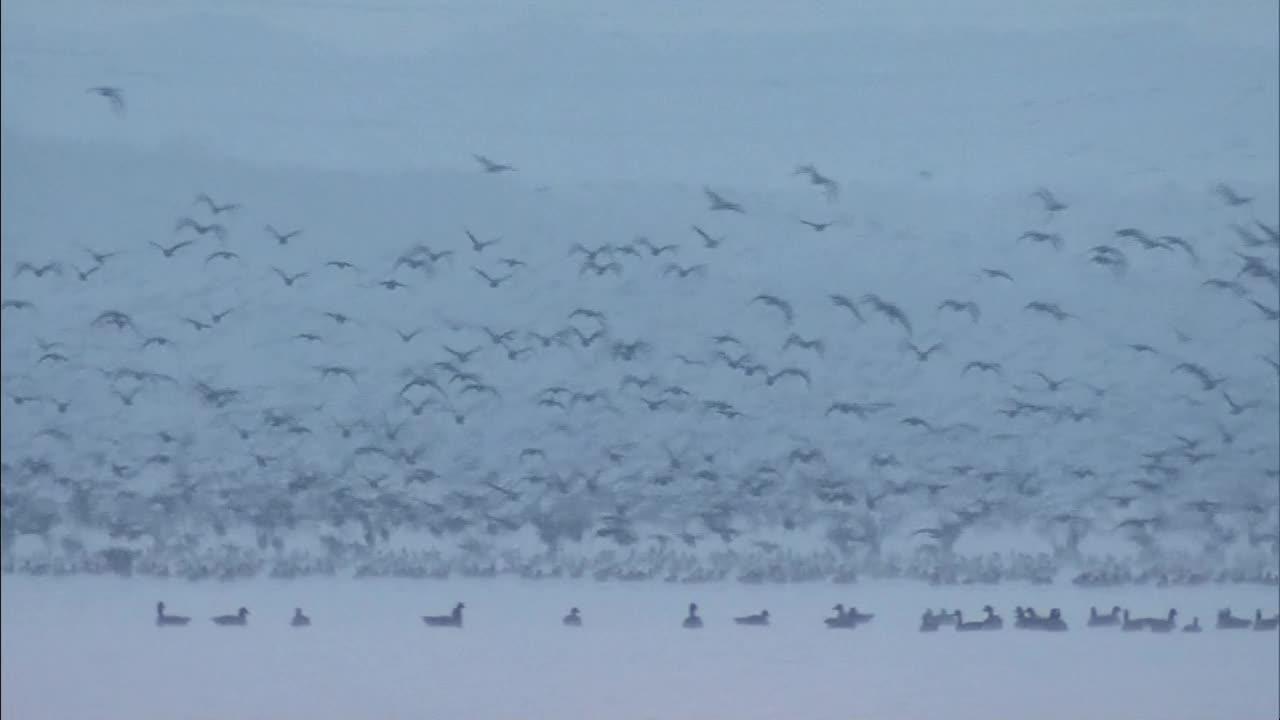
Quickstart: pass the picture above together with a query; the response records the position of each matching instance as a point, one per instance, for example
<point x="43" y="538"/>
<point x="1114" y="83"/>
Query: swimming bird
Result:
<point x="761" y="618"/>
<point x="840" y="620"/>
<point x="1261" y="623"/>
<point x="163" y="620"/>
<point x="241" y="618"/>
<point x="299" y="620"/>
<point x="1111" y="619"/>
<point x="692" y="621"/>
<point x="573" y="619"/>
<point x="453" y="619"/>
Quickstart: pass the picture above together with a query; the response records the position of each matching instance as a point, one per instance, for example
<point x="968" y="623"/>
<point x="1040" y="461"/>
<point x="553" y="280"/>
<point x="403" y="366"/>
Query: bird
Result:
<point x="967" y="306"/>
<point x="758" y="619"/>
<point x="778" y="304"/>
<point x="718" y="203"/>
<point x="573" y="619"/>
<point x="684" y="272"/>
<point x="493" y="281"/>
<point x="692" y="621"/>
<point x="165" y="620"/>
<point x="282" y="237"/>
<point x="299" y="620"/>
<point x="490" y="166"/>
<point x="214" y="207"/>
<point x="817" y="226"/>
<point x="288" y="279"/>
<point x="709" y="242"/>
<point x="240" y="619"/>
<point x="830" y="187"/>
<point x="453" y="619"/>
<point x="1230" y="196"/>
<point x="479" y="245"/>
<point x="1050" y="201"/>
<point x="217" y="229"/>
<point x="169" y="251"/>
<point x="114" y="95"/>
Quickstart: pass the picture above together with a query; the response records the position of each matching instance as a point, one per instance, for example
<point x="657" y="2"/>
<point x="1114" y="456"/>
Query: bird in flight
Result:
<point x="113" y="94"/>
<point x="818" y="226"/>
<point x="282" y="237"/>
<point x="1051" y="203"/>
<point x="829" y="186"/>
<point x="479" y="245"/>
<point x="1230" y="196"/>
<point x="214" y="207"/>
<point x="490" y="166"/>
<point x="718" y="202"/>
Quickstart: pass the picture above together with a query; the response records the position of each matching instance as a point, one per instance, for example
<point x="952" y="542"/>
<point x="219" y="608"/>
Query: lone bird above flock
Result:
<point x="490" y="166"/>
<point x="113" y="94"/>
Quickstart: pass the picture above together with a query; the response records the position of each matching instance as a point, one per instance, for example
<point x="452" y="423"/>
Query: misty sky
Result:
<point x="688" y="92"/>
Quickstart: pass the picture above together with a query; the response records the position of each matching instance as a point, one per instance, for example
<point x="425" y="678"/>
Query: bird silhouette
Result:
<point x="718" y="203"/>
<point x="114" y="95"/>
<point x="490" y="166"/>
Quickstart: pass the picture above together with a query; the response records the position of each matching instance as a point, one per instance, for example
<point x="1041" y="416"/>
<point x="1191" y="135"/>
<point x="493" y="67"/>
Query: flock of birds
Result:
<point x="850" y="619"/>
<point x="357" y="436"/>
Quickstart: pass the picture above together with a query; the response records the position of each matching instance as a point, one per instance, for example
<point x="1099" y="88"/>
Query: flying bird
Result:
<point x="1230" y="196"/>
<point x="718" y="203"/>
<point x="113" y="94"/>
<point x="490" y="166"/>
<point x="214" y="207"/>
<point x="967" y="306"/>
<point x="282" y="237"/>
<point x="777" y="303"/>
<point x="1050" y="201"/>
<point x="830" y="187"/>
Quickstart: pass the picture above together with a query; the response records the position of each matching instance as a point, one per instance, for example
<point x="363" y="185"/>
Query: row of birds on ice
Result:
<point x="364" y="447"/>
<point x="851" y="618"/>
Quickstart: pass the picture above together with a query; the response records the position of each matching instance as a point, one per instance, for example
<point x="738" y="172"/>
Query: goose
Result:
<point x="962" y="626"/>
<point x="1109" y="620"/>
<point x="840" y="620"/>
<point x="761" y="618"/>
<point x="692" y="622"/>
<point x="300" y="620"/>
<point x="163" y="620"/>
<point x="1130" y="625"/>
<point x="1163" y="626"/>
<point x="992" y="621"/>
<point x="856" y="618"/>
<point x="1054" y="623"/>
<point x="241" y="618"/>
<point x="1261" y="623"/>
<point x="573" y="619"/>
<point x="453" y="619"/>
<point x="1227" y="621"/>
<point x="1194" y="627"/>
<point x="928" y="622"/>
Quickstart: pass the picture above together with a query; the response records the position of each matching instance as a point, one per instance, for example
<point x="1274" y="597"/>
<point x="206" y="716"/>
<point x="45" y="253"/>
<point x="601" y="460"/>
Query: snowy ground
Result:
<point x="82" y="648"/>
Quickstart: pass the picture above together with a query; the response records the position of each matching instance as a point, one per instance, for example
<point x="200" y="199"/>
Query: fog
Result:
<point x="376" y="308"/>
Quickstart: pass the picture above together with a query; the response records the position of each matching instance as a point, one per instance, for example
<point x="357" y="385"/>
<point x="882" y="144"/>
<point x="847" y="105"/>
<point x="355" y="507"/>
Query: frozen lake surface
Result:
<point x="87" y="648"/>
